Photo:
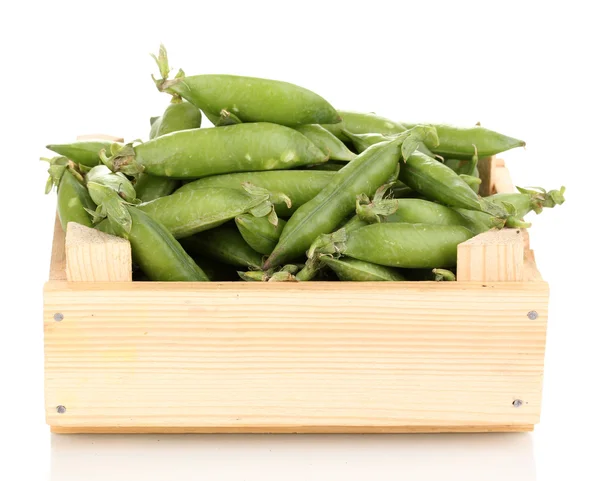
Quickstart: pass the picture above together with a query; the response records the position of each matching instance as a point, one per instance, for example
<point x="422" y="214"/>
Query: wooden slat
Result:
<point x="502" y="181"/>
<point x="494" y="256"/>
<point x="319" y="357"/>
<point x="509" y="428"/>
<point x="58" y="260"/>
<point x="95" y="256"/>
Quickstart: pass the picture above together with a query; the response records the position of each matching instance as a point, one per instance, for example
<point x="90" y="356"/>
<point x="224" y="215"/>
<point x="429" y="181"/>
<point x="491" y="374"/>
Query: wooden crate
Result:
<point x="331" y="357"/>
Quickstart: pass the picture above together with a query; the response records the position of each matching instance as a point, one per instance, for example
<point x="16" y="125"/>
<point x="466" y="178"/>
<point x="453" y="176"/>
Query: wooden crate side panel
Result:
<point x="58" y="258"/>
<point x="317" y="355"/>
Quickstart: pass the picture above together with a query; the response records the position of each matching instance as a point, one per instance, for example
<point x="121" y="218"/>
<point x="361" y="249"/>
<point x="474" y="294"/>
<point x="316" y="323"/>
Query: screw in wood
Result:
<point x="61" y="409"/>
<point x="517" y="403"/>
<point x="533" y="315"/>
<point x="58" y="317"/>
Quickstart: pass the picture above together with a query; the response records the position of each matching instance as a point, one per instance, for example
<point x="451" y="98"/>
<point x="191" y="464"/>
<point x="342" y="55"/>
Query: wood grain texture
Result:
<point x="502" y="181"/>
<point x="110" y="138"/>
<point x="509" y="428"/>
<point x="494" y="256"/>
<point x="95" y="256"/>
<point x="310" y="357"/>
<point x="58" y="259"/>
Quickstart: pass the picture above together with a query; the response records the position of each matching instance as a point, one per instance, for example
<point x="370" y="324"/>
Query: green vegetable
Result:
<point x="329" y="144"/>
<point x="249" y="99"/>
<point x="153" y="248"/>
<point x="299" y="185"/>
<point x="150" y="187"/>
<point x="202" y="152"/>
<point x="85" y="152"/>
<point x="73" y="199"/>
<point x="400" y="244"/>
<point x="179" y="115"/>
<point x="223" y="244"/>
<point x="259" y="233"/>
<point x="187" y="212"/>
<point x="348" y="269"/>
<point x="363" y="123"/>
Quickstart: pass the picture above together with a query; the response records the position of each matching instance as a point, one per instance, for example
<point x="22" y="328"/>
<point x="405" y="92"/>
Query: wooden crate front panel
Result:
<point x="312" y="357"/>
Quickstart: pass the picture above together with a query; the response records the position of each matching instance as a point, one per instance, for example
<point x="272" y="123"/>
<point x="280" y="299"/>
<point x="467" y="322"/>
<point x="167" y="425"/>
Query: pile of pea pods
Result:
<point x="284" y="187"/>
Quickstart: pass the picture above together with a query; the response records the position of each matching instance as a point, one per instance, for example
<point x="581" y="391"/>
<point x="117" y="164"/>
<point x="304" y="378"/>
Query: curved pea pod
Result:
<point x="73" y="199"/>
<point x="248" y="98"/>
<point x="527" y="200"/>
<point x="179" y="115"/>
<point x="363" y="176"/>
<point x="299" y="185"/>
<point x="404" y="245"/>
<point x="330" y="166"/>
<point x="85" y="152"/>
<point x="439" y="182"/>
<point x="348" y="269"/>
<point x="463" y="142"/>
<point x="101" y="174"/>
<point x="363" y="123"/>
<point x="362" y="142"/>
<point x="259" y="233"/>
<point x="195" y="153"/>
<point x="187" y="212"/>
<point x="150" y="187"/>
<point x="153" y="248"/>
<point x="324" y="212"/>
<point x="224" y="244"/>
<point x="329" y="144"/>
<point x="412" y="211"/>
<point x="479" y="222"/>
<point x="472" y="181"/>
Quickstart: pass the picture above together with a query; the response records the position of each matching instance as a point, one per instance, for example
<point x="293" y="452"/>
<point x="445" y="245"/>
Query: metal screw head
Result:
<point x="58" y="317"/>
<point x="517" y="403"/>
<point x="533" y="315"/>
<point x="61" y="409"/>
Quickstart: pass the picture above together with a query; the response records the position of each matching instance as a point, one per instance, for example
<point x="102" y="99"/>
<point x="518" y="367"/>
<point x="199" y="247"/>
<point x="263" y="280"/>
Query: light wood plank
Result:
<point x="95" y="256"/>
<point x="270" y="357"/>
<point x="502" y="181"/>
<point x="510" y="428"/>
<point x="58" y="260"/>
<point x="110" y="138"/>
<point x="496" y="255"/>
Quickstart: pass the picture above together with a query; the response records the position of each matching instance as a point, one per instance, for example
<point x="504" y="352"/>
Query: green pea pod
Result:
<point x="463" y="142"/>
<point x="479" y="222"/>
<point x="179" y="115"/>
<point x="153" y="248"/>
<point x="348" y="269"/>
<point x="527" y="200"/>
<point x="330" y="166"/>
<point x="285" y="274"/>
<point x="471" y="181"/>
<point x="438" y="182"/>
<point x="223" y="244"/>
<point x="467" y="167"/>
<point x="85" y="152"/>
<point x="198" y="153"/>
<point x="150" y="187"/>
<point x="299" y="185"/>
<point x="362" y="142"/>
<point x="101" y="174"/>
<point x="248" y="98"/>
<point x="187" y="212"/>
<point x="259" y="233"/>
<point x="414" y="211"/>
<point x="329" y="144"/>
<point x="325" y="211"/>
<point x="374" y="167"/>
<point x="363" y="123"/>
<point x="402" y="245"/>
<point x="443" y="275"/>
<point x="73" y="199"/>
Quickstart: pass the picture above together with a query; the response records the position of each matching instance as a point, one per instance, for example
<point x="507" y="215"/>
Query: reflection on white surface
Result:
<point x="421" y="457"/>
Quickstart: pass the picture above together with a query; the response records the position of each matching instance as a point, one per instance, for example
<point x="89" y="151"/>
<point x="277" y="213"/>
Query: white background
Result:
<point x="528" y="69"/>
